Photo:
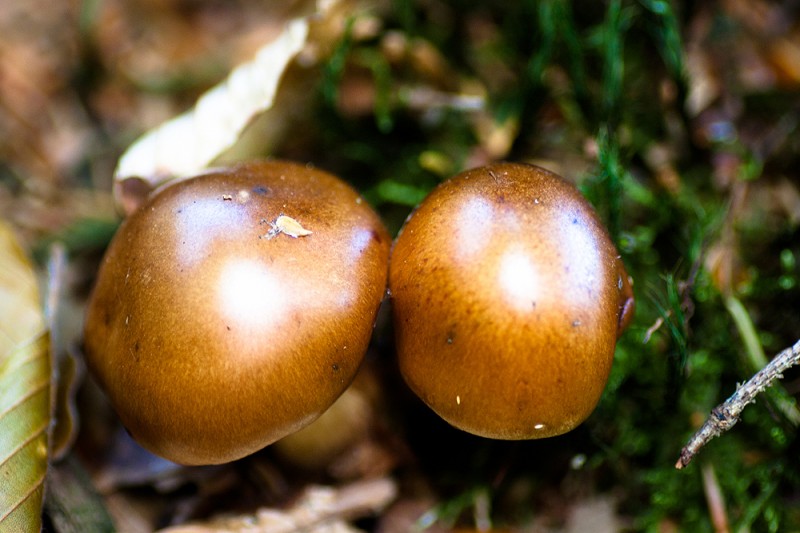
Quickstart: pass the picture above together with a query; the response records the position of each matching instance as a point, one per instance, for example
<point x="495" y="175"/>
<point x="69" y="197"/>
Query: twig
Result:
<point x="56" y="273"/>
<point x="755" y="353"/>
<point x="724" y="416"/>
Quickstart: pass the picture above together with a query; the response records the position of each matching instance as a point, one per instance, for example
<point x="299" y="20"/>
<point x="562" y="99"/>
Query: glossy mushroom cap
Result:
<point x="234" y="308"/>
<point x="508" y="299"/>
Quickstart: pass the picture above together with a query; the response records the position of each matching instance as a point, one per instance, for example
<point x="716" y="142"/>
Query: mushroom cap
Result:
<point x="234" y="308"/>
<point x="508" y="297"/>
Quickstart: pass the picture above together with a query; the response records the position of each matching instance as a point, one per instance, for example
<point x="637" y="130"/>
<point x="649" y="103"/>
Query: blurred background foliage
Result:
<point x="678" y="120"/>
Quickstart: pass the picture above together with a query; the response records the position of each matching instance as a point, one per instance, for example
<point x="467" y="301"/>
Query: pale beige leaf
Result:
<point x="186" y="144"/>
<point x="242" y="117"/>
<point x="318" y="510"/>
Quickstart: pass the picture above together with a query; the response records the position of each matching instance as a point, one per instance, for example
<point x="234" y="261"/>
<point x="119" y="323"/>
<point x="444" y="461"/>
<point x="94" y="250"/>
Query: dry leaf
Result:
<point x="223" y="117"/>
<point x="24" y="390"/>
<point x="186" y="144"/>
<point x="319" y="510"/>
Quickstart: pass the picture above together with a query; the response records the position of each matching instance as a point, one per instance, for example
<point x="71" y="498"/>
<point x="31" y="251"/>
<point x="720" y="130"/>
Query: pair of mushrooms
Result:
<point x="234" y="308"/>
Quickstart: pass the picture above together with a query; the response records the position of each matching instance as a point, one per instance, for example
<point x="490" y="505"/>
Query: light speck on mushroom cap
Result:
<point x="213" y="338"/>
<point x="508" y="298"/>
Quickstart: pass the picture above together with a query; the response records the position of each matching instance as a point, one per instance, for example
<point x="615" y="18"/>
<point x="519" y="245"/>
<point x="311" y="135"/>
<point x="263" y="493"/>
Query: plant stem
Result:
<point x="724" y="416"/>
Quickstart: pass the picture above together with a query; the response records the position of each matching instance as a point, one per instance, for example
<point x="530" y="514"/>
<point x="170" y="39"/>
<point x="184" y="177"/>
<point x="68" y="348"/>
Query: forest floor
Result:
<point x="678" y="121"/>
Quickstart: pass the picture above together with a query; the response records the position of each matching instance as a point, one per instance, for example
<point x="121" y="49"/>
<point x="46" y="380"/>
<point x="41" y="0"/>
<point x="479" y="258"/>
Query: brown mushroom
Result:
<point x="233" y="308"/>
<point x="508" y="299"/>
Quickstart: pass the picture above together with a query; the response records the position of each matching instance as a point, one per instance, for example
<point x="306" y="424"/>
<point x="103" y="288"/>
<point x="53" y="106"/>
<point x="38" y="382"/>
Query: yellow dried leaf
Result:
<point x="24" y="390"/>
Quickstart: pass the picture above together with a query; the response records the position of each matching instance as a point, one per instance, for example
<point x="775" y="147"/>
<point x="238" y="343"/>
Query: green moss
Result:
<point x="593" y="73"/>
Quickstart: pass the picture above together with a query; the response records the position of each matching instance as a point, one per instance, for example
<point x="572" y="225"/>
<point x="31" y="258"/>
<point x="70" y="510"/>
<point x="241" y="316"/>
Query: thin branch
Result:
<point x="724" y="416"/>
